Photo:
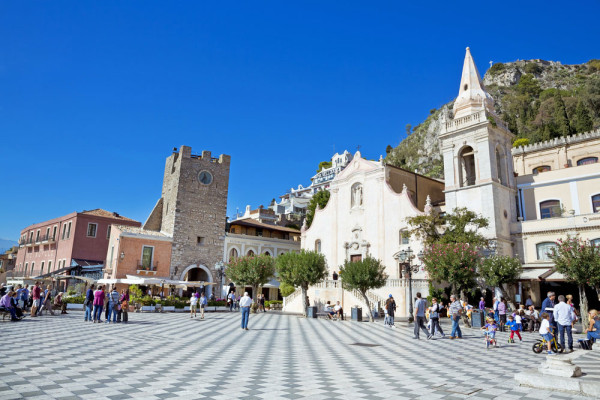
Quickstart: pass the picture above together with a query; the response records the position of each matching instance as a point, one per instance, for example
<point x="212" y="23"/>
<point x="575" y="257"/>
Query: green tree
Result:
<point x="388" y="149"/>
<point x="579" y="262"/>
<point x="324" y="165"/>
<point x="286" y="289"/>
<point x="455" y="263"/>
<point x="320" y="198"/>
<point x="583" y="121"/>
<point x="302" y="270"/>
<point x="521" y="142"/>
<point x="497" y="271"/>
<point x="561" y="119"/>
<point x="460" y="226"/>
<point x="251" y="271"/>
<point x="363" y="276"/>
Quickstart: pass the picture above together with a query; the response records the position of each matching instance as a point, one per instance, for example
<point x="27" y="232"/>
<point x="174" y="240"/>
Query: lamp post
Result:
<point x="220" y="267"/>
<point x="404" y="259"/>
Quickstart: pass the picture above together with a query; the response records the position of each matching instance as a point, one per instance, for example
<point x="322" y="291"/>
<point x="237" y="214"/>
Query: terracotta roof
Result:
<point x="257" y="224"/>
<point x="107" y="214"/>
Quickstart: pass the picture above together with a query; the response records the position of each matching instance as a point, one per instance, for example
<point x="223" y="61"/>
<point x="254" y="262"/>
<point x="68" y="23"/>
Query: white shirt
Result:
<point x="326" y="309"/>
<point x="337" y="307"/>
<point x="544" y="327"/>
<point x="563" y="313"/>
<point x="193" y="300"/>
<point x="245" y="301"/>
<point x="518" y="319"/>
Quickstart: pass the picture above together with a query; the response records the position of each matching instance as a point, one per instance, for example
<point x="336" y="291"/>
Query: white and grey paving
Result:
<point x="163" y="356"/>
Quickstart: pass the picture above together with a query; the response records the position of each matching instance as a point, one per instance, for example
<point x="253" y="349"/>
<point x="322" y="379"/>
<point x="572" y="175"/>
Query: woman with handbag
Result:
<point x="124" y="304"/>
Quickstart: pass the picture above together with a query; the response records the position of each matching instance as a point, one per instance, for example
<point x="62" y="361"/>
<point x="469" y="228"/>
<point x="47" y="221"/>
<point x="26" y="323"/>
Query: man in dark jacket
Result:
<point x="548" y="307"/>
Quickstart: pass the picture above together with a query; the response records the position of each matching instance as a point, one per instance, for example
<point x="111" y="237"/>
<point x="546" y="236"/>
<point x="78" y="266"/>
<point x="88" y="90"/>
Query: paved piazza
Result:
<point x="158" y="356"/>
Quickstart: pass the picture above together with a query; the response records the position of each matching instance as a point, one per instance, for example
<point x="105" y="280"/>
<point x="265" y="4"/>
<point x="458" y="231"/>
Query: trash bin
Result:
<point x="356" y="313"/>
<point x="311" y="312"/>
<point x="477" y="317"/>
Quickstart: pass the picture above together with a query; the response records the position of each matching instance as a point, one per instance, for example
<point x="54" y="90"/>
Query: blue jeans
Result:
<point x="593" y="336"/>
<point x="245" y="315"/>
<point x="97" y="313"/>
<point x="455" y="327"/>
<point x="88" y="312"/>
<point x="111" y="310"/>
<point x="561" y="332"/>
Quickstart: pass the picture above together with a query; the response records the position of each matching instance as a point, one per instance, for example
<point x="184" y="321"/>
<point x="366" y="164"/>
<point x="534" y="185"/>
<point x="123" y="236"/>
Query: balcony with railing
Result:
<point x="147" y="268"/>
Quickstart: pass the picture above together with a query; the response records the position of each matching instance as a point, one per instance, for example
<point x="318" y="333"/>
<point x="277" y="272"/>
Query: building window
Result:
<point x="595" y="242"/>
<point x="500" y="170"/>
<point x="544" y="250"/>
<point x="318" y="245"/>
<point x="42" y="269"/>
<point x="147" y="255"/>
<point x="37" y="236"/>
<point x="550" y="209"/>
<point x="233" y="254"/>
<point x="26" y="266"/>
<point x="596" y="203"/>
<point x="200" y="240"/>
<point x="267" y="253"/>
<point x="587" y="160"/>
<point x="47" y="233"/>
<point x="250" y="252"/>
<point x="541" y="168"/>
<point x="54" y="232"/>
<point x="108" y="232"/>
<point x="259" y="232"/>
<point x="467" y="167"/>
<point x="404" y="236"/>
<point x="64" y="231"/>
<point x="69" y="230"/>
<point x="91" y="231"/>
<point x="32" y="267"/>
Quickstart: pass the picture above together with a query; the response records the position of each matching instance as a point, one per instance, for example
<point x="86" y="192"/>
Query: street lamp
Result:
<point x="220" y="267"/>
<point x="404" y="259"/>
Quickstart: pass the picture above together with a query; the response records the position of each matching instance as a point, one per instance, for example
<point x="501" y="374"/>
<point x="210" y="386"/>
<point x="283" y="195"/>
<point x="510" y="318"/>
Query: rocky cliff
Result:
<point x="537" y="99"/>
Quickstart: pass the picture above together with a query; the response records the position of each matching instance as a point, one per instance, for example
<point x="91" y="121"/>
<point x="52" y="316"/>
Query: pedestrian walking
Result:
<point x="390" y="310"/>
<point x="98" y="304"/>
<point x="502" y="313"/>
<point x="261" y="303"/>
<point x="36" y="294"/>
<point x="420" y="307"/>
<point x="203" y="303"/>
<point x="496" y="302"/>
<point x="245" y="303"/>
<point x="455" y="312"/>
<point x="24" y="298"/>
<point x="231" y="300"/>
<point x="47" y="302"/>
<point x="193" y="305"/>
<point x="434" y="317"/>
<point x="514" y="329"/>
<point x="124" y="300"/>
<point x="563" y="314"/>
<point x="113" y="305"/>
<point x="482" y="305"/>
<point x="88" y="304"/>
<point x="105" y="306"/>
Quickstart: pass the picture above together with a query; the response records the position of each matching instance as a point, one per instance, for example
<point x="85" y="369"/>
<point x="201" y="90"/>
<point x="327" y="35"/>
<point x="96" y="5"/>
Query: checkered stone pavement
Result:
<point x="162" y="356"/>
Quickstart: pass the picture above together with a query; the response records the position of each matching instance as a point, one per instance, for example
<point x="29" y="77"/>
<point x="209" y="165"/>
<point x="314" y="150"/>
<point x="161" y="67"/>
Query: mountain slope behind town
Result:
<point x="538" y="100"/>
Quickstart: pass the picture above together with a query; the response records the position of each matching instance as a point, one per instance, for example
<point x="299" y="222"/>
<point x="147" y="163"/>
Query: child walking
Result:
<point x="514" y="328"/>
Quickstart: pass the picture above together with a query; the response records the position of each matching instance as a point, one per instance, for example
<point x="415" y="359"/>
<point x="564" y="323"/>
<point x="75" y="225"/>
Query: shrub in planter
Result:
<point x="74" y="299"/>
<point x="217" y="303"/>
<point x="145" y="301"/>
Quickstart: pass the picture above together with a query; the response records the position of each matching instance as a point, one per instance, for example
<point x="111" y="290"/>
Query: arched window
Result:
<point x="587" y="160"/>
<point x="467" y="167"/>
<point x="233" y="253"/>
<point x="404" y="236"/>
<point x="500" y="166"/>
<point x="318" y="245"/>
<point x="596" y="203"/>
<point x="267" y="254"/>
<point x="550" y="209"/>
<point x="25" y="271"/>
<point x="250" y="252"/>
<point x="541" y="168"/>
<point x="544" y="250"/>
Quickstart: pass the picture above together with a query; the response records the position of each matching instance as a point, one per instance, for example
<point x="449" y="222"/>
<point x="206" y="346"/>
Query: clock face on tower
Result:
<point x="205" y="177"/>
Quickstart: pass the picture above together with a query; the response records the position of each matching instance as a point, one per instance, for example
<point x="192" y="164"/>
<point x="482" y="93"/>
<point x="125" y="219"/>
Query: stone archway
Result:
<point x="199" y="272"/>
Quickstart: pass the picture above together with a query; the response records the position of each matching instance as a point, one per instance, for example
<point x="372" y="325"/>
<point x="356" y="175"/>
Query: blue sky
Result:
<point x="94" y="95"/>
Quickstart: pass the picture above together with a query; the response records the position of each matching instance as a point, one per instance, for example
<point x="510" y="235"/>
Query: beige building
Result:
<point x="256" y="233"/>
<point x="558" y="186"/>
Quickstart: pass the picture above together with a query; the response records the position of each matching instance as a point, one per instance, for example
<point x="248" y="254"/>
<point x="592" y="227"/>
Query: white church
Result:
<point x="370" y="201"/>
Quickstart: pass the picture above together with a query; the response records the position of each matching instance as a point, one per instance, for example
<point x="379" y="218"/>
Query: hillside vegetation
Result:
<point x="538" y="100"/>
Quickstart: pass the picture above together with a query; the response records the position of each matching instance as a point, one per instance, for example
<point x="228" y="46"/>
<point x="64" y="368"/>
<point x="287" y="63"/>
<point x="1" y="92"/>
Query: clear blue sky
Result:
<point x="94" y="95"/>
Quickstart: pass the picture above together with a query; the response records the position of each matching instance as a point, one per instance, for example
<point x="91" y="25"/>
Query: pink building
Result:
<point x="78" y="240"/>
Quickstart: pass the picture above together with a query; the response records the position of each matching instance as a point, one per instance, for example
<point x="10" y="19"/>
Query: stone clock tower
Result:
<point x="478" y="168"/>
<point x="192" y="210"/>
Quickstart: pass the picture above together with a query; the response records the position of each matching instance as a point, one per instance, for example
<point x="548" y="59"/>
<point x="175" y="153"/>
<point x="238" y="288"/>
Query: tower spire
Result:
<point x="472" y="96"/>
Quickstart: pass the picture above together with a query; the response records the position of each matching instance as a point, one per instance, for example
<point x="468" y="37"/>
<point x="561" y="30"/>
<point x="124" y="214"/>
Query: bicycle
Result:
<point x="541" y="344"/>
<point x="489" y="340"/>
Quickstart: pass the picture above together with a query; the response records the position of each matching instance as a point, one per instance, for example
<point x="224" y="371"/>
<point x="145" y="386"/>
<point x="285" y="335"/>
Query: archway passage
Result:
<point x="195" y="273"/>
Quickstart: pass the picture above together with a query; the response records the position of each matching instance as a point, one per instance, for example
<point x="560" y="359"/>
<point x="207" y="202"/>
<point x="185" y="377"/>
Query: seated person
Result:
<point x="593" y="331"/>
<point x="6" y="304"/>
<point x="338" y="310"/>
<point x="327" y="310"/>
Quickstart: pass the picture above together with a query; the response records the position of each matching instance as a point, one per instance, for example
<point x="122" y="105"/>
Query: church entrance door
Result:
<point x="356" y="257"/>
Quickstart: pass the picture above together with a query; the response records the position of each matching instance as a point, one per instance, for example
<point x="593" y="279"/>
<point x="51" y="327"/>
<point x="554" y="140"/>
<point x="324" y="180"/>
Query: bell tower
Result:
<point x="478" y="168"/>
